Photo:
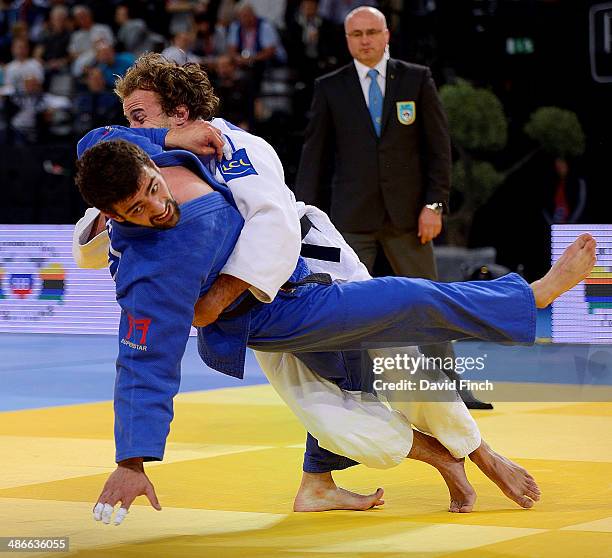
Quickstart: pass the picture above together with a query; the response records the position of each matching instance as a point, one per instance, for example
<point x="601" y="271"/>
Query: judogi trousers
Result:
<point x="363" y="428"/>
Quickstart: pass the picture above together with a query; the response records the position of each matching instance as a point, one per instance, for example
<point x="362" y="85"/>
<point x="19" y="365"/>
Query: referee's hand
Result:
<point x="430" y="225"/>
<point x="124" y="485"/>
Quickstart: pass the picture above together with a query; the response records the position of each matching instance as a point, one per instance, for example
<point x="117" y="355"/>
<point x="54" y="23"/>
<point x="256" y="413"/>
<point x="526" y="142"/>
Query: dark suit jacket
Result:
<point x="371" y="178"/>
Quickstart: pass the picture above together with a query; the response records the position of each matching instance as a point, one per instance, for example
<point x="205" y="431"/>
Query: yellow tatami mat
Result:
<point x="233" y="464"/>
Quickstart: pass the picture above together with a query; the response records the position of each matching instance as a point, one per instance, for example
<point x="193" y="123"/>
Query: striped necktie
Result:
<point x="375" y="98"/>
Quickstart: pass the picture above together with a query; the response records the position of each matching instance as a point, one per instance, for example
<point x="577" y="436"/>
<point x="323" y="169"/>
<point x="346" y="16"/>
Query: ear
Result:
<point x="113" y="216"/>
<point x="181" y="115"/>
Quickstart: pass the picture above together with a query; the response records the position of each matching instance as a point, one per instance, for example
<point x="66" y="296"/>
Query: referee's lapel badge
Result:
<point x="406" y="112"/>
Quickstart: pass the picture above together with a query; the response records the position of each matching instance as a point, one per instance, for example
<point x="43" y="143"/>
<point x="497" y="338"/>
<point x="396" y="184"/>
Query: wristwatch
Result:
<point x="437" y="207"/>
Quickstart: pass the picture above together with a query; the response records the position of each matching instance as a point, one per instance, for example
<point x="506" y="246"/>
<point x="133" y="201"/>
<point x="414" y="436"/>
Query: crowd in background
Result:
<point x="59" y="58"/>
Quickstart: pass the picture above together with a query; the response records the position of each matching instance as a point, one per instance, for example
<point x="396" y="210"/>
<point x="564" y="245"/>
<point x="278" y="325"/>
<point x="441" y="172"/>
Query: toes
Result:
<point x="531" y="483"/>
<point x="535" y="496"/>
<point x="525" y="502"/>
<point x="460" y="507"/>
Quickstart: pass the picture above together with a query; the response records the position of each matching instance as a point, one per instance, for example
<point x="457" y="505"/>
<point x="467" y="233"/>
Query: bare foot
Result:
<point x="318" y="492"/>
<point x="514" y="481"/>
<point x="574" y="265"/>
<point x="428" y="449"/>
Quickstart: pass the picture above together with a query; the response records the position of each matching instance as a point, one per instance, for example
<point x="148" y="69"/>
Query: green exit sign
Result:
<point x="519" y="45"/>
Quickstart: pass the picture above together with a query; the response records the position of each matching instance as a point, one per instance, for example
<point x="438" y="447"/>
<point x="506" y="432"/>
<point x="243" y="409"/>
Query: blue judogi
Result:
<point x="332" y="366"/>
<point x="161" y="274"/>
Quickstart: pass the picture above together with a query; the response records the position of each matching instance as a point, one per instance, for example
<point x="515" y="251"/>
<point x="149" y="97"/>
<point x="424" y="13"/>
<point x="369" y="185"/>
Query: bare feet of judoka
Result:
<point x="573" y="266"/>
<point x="514" y="481"/>
<point x="428" y="449"/>
<point x="318" y="492"/>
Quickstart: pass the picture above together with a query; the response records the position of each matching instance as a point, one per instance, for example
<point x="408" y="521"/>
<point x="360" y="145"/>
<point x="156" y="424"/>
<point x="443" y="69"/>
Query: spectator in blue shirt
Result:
<point x="112" y="63"/>
<point x="252" y="40"/>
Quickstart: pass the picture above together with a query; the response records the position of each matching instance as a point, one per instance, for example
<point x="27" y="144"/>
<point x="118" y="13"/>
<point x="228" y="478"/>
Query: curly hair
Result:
<point x="109" y="173"/>
<point x="174" y="84"/>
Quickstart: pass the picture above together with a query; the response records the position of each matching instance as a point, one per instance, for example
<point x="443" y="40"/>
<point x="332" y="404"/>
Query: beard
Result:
<point x="174" y="219"/>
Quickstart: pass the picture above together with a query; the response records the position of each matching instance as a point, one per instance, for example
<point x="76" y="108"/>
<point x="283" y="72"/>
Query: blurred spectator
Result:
<point x="569" y="198"/>
<point x="53" y="47"/>
<point x="22" y="66"/>
<point x="182" y="14"/>
<point x="232" y="89"/>
<point x="133" y="34"/>
<point x="82" y="41"/>
<point x="8" y="17"/>
<point x="112" y="63"/>
<point x="272" y="10"/>
<point x="210" y="39"/>
<point x="97" y="106"/>
<point x="225" y="12"/>
<point x="36" y="116"/>
<point x="181" y="50"/>
<point x="33" y="14"/>
<point x="308" y="37"/>
<point x="308" y="41"/>
<point x="152" y="12"/>
<point x="253" y="40"/>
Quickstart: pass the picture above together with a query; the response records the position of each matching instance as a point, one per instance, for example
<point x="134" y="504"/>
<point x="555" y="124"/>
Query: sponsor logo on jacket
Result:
<point x="136" y="336"/>
<point x="236" y="167"/>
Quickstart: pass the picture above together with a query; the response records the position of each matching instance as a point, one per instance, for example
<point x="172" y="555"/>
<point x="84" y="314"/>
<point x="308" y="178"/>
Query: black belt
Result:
<point x="249" y="301"/>
<point x="314" y="251"/>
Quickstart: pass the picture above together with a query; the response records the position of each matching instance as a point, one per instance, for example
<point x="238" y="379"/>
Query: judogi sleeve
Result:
<point x="157" y="287"/>
<point x="269" y="245"/>
<point x="92" y="254"/>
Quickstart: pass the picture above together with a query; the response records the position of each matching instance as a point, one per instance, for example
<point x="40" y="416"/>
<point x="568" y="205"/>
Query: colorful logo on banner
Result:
<point x="50" y="280"/>
<point x="53" y="281"/>
<point x="598" y="288"/>
<point x="32" y="281"/>
<point x="21" y="284"/>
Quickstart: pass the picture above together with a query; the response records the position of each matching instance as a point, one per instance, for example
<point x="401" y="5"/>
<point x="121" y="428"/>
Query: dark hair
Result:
<point x="109" y="172"/>
<point x="174" y="85"/>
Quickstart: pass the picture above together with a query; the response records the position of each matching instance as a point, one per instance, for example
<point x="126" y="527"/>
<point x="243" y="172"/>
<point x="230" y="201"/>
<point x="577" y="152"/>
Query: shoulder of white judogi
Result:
<point x="238" y="139"/>
<point x="268" y="248"/>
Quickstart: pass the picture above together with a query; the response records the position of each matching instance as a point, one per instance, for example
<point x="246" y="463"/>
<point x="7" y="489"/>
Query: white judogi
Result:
<point x="356" y="425"/>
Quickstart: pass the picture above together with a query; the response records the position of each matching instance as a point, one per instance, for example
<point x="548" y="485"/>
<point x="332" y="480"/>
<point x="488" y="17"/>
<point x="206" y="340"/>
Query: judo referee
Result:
<point x="160" y="275"/>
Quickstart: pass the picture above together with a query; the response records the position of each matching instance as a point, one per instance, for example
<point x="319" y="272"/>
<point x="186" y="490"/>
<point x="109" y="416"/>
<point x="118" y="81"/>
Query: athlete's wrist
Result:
<point x="133" y="463"/>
